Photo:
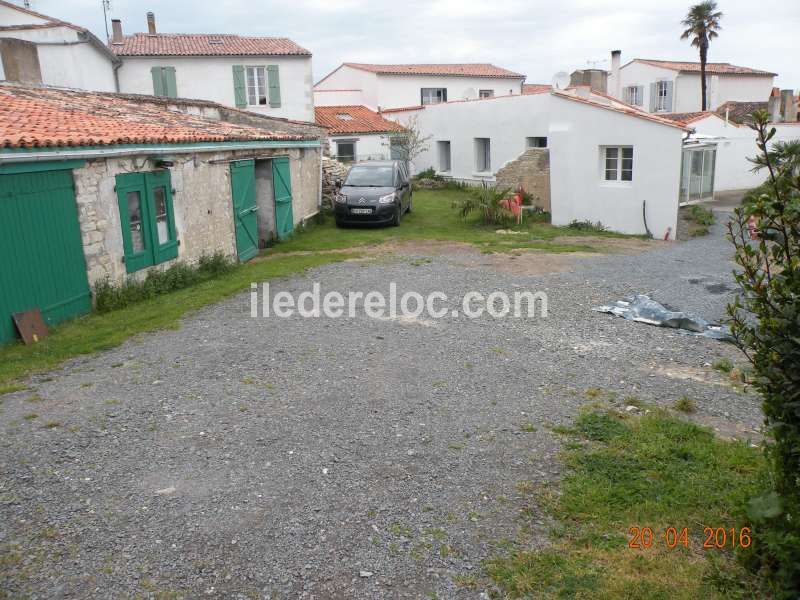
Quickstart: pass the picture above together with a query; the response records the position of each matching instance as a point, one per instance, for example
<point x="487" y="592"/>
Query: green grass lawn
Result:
<point x="97" y="331"/>
<point x="654" y="471"/>
<point x="434" y="218"/>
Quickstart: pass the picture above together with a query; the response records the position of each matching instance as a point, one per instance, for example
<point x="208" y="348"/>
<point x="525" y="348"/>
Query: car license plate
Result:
<point x="361" y="211"/>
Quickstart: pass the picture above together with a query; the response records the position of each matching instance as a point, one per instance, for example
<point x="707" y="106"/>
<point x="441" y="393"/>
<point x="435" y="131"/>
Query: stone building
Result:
<point x="97" y="186"/>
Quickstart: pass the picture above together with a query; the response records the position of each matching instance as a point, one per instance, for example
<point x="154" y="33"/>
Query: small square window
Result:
<point x="617" y="163"/>
<point x="433" y="95"/>
<point x="483" y="158"/>
<point x="486" y="94"/>
<point x="536" y="142"/>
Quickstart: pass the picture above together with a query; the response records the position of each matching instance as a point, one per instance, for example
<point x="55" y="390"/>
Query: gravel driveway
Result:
<point x="337" y="458"/>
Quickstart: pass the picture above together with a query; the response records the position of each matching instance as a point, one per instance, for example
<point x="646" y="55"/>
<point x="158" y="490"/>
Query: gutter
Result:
<point x="95" y="152"/>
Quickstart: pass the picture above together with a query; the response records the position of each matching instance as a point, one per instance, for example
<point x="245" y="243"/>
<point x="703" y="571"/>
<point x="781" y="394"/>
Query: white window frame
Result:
<point x="614" y="164"/>
<point x="259" y="85"/>
<point x="347" y="141"/>
<point x="485" y="94"/>
<point x="483" y="155"/>
<point x="632" y="95"/>
<point x="530" y="142"/>
<point x="662" y="91"/>
<point x="433" y="95"/>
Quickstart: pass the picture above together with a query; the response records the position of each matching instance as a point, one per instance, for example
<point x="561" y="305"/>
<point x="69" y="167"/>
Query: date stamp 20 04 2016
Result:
<point x="714" y="538"/>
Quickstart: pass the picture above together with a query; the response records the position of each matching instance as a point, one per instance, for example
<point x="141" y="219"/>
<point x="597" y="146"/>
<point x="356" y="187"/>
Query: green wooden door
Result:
<point x="243" y="192"/>
<point x="41" y="252"/>
<point x="282" y="185"/>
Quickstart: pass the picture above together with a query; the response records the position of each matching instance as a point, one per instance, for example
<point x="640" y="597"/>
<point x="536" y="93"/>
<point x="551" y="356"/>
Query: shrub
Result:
<point x="597" y="227"/>
<point x="765" y="321"/>
<point x="488" y="203"/>
<point x="109" y="296"/>
<point x="701" y="215"/>
<point x="685" y="405"/>
<point x="429" y="173"/>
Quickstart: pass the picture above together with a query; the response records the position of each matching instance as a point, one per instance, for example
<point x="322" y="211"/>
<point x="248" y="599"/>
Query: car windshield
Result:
<point x="363" y="176"/>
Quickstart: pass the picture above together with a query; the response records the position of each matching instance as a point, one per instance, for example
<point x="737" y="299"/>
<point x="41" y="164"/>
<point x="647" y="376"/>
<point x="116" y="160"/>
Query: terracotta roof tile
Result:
<point x="739" y="112"/>
<point x="687" y="117"/>
<point x="454" y="70"/>
<point x="536" y="88"/>
<point x="203" y="44"/>
<point x="33" y="117"/>
<point x="713" y="68"/>
<point x="353" y="119"/>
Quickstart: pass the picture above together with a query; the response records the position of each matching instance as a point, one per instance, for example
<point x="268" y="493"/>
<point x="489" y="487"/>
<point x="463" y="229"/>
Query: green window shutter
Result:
<point x="274" y="84"/>
<point x="162" y="216"/>
<point x="239" y="91"/>
<point x="134" y="216"/>
<point x="170" y="85"/>
<point x="158" y="81"/>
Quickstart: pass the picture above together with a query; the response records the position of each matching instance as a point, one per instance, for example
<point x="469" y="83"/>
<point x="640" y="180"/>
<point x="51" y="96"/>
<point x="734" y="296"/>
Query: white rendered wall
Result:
<point x="575" y="133"/>
<point x="10" y="16"/>
<point x="396" y="91"/>
<point x="339" y="98"/>
<point x="67" y="61"/>
<point x="636" y="73"/>
<point x="211" y="78"/>
<point x="735" y="144"/>
<point x="368" y="146"/>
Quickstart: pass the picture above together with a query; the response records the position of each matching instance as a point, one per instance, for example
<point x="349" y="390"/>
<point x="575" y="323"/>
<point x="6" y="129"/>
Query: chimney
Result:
<point x="151" y="23"/>
<point x="774" y="108"/>
<point x="788" y="106"/>
<point x="116" y="28"/>
<point x="616" y="58"/>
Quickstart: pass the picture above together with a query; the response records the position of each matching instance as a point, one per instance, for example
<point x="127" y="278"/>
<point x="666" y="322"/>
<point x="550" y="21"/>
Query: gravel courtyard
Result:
<point x="340" y="458"/>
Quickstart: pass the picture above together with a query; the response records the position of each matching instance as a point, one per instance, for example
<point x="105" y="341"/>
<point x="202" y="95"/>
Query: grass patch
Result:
<point x="685" y="405"/>
<point x="11" y="388"/>
<point x="434" y="218"/>
<point x="723" y="365"/>
<point x="653" y="471"/>
<point x="698" y="219"/>
<point x="101" y="331"/>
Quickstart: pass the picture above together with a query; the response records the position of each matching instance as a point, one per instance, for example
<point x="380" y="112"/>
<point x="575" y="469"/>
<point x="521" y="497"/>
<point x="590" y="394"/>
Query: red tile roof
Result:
<point x="713" y="68"/>
<point x="204" y="44"/>
<point x="687" y="117"/>
<point x="36" y="117"/>
<point x="623" y="109"/>
<point x="739" y="112"/>
<point x="353" y="119"/>
<point x="536" y="88"/>
<point x="452" y="70"/>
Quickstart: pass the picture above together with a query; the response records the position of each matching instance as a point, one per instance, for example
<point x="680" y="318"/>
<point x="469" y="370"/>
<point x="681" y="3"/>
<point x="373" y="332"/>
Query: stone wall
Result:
<point x="201" y="201"/>
<point x="332" y="170"/>
<point x="532" y="170"/>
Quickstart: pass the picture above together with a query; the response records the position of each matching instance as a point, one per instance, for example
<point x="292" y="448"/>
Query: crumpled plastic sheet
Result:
<point x="643" y="309"/>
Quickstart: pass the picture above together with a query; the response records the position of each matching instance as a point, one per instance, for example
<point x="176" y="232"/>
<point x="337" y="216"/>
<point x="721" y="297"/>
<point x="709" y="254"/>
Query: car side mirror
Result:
<point x="337" y="184"/>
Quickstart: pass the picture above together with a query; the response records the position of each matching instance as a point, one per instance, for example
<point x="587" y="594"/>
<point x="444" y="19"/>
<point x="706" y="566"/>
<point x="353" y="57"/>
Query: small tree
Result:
<point x="702" y="26"/>
<point x="411" y="142"/>
<point x="766" y="325"/>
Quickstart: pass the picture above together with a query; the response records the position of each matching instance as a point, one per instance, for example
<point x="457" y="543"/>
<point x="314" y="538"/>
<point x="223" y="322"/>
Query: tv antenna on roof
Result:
<point x="560" y="80"/>
<point x="106" y="8"/>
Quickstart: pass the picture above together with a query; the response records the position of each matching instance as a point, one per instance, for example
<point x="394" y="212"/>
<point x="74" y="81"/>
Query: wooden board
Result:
<point x="30" y="325"/>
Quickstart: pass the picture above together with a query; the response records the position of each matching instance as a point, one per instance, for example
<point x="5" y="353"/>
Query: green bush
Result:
<point x="429" y="173"/>
<point x="701" y="215"/>
<point x="597" y="227"/>
<point x="109" y="296"/>
<point x="487" y="202"/>
<point x="765" y="321"/>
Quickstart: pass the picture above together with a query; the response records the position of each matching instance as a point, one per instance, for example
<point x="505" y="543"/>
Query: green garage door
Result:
<point x="41" y="254"/>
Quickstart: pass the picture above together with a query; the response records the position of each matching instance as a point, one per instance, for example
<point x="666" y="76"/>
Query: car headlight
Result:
<point x="388" y="199"/>
<point x="340" y="198"/>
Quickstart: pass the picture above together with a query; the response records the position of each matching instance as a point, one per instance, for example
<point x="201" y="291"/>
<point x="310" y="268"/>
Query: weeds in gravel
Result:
<point x="723" y="365"/>
<point x="685" y="405"/>
<point x="97" y="331"/>
<point x="11" y="388"/>
<point x="653" y="471"/>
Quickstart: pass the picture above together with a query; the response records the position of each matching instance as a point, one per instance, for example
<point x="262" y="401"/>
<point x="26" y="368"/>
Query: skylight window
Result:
<point x="344" y="117"/>
<point x="216" y="41"/>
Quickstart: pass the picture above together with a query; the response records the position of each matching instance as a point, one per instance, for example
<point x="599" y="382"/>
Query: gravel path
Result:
<point x="336" y="458"/>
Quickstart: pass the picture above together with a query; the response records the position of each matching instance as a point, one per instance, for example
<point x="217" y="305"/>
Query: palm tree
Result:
<point x="702" y="25"/>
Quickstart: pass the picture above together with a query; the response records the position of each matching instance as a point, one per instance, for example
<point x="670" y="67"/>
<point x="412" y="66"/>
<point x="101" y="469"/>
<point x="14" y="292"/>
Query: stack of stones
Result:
<point x="332" y="170"/>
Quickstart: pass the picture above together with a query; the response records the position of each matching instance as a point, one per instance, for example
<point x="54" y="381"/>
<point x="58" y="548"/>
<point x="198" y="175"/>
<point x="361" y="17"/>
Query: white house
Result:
<point x="268" y="75"/>
<point x="734" y="144"/>
<point x="608" y="162"/>
<point x="674" y="86"/>
<point x="39" y="49"/>
<point x="358" y="133"/>
<point x="396" y="86"/>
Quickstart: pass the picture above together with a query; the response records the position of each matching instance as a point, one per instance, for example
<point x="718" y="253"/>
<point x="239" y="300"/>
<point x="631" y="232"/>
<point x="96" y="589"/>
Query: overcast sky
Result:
<point x="529" y="36"/>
